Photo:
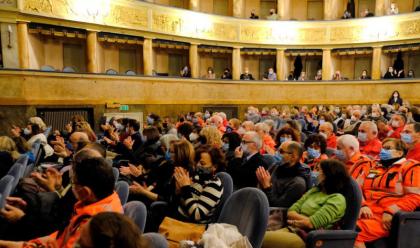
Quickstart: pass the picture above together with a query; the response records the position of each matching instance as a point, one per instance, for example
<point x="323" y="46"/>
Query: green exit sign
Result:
<point x="124" y="108"/>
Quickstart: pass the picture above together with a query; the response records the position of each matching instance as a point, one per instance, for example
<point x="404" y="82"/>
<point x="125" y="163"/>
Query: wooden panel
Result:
<point x="221" y="7"/>
<point x="253" y="5"/>
<point x="74" y="55"/>
<point x="265" y="6"/>
<point x="315" y="10"/>
<point x="360" y="64"/>
<point x="128" y="60"/>
<point x="299" y="10"/>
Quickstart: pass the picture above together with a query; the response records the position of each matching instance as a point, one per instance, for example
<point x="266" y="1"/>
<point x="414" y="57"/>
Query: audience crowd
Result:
<point x="302" y="158"/>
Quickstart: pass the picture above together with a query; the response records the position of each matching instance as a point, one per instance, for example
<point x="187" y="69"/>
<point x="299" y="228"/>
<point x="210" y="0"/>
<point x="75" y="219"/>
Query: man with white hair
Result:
<point x="224" y="118"/>
<point x="217" y="122"/>
<point x="326" y="130"/>
<point x="358" y="165"/>
<point x="370" y="145"/>
<point x="247" y="159"/>
<point x="268" y="144"/>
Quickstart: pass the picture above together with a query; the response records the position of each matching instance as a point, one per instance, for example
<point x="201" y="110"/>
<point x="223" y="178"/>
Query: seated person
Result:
<point x="337" y="76"/>
<point x="93" y="185"/>
<point x="390" y="73"/>
<point x="253" y="15"/>
<point x="397" y="122"/>
<point x="185" y="72"/>
<point x="108" y="230"/>
<point x="367" y="13"/>
<point x="319" y="208"/>
<point x="348" y="152"/>
<point x="391" y="186"/>
<point x="226" y="74"/>
<point x="411" y="138"/>
<point x="210" y="73"/>
<point x="273" y="15"/>
<point x="367" y="135"/>
<point x="263" y="131"/>
<point x="410" y="74"/>
<point x="271" y="75"/>
<point x="246" y="75"/>
<point x="318" y="75"/>
<point x="289" y="179"/>
<point x="326" y="130"/>
<point x="393" y="9"/>
<point x="247" y="159"/>
<point x="302" y="76"/>
<point x="316" y="148"/>
<point x="364" y="76"/>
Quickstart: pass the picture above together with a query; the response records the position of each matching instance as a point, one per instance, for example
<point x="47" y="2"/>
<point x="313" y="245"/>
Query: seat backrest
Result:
<point x="6" y="186"/>
<point x="251" y="218"/>
<point x="111" y="72"/>
<point x="353" y="197"/>
<point x="155" y="240"/>
<point x="137" y="212"/>
<point x="405" y="231"/>
<point x="16" y="171"/>
<point x="37" y="150"/>
<point x="227" y="183"/>
<point x="28" y="170"/>
<point x="116" y="173"/>
<point x="23" y="159"/>
<point x="47" y="131"/>
<point x="122" y="189"/>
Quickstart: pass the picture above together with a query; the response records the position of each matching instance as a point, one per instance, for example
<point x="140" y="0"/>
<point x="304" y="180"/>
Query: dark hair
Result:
<point x="234" y="140"/>
<point x="327" y="117"/>
<point x="216" y="155"/>
<point x="134" y="124"/>
<point x="317" y="139"/>
<point x="392" y="95"/>
<point x="109" y="230"/>
<point x="152" y="134"/>
<point x="96" y="174"/>
<point x="287" y="130"/>
<point x="336" y="177"/>
<point x="35" y="129"/>
<point x="295" y="148"/>
<point x="185" y="129"/>
<point x="416" y="126"/>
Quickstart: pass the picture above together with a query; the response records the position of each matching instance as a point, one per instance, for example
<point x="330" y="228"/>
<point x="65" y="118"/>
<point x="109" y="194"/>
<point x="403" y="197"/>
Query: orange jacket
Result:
<point x="70" y="235"/>
<point x="395" y="133"/>
<point x="394" y="188"/>
<point x="371" y="148"/>
<point x="267" y="142"/>
<point x="414" y="153"/>
<point x="359" y="165"/>
<point x="332" y="142"/>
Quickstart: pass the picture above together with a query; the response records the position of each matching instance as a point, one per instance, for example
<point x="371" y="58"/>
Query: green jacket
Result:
<point x="323" y="210"/>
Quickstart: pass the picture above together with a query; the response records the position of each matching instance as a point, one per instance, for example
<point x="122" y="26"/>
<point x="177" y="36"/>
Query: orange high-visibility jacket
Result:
<point x="396" y="188"/>
<point x="359" y="165"/>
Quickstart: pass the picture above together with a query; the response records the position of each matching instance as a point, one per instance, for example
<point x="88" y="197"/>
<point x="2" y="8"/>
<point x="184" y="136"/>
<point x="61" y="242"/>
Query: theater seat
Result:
<point x="248" y="210"/>
<point x="345" y="237"/>
<point x="137" y="212"/>
<point x="155" y="240"/>
<point x="122" y="189"/>
<point x="227" y="192"/>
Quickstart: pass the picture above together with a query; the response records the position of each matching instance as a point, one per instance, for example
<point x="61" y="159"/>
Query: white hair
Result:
<point x="269" y="122"/>
<point x="255" y="138"/>
<point x="372" y="126"/>
<point x="167" y="139"/>
<point x="223" y="115"/>
<point x="173" y="131"/>
<point x="38" y="121"/>
<point x="329" y="125"/>
<point x="263" y="127"/>
<point x="348" y="140"/>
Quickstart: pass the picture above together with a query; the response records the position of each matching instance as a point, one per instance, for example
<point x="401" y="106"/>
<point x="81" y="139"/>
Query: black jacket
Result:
<point x="243" y="171"/>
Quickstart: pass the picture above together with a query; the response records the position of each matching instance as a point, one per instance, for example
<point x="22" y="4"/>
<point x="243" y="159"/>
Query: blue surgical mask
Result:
<point x="206" y="115"/>
<point x="313" y="153"/>
<point x="150" y="120"/>
<point x="385" y="154"/>
<point x="143" y="138"/>
<point x="362" y="136"/>
<point x="339" y="154"/>
<point x="167" y="155"/>
<point x="278" y="157"/>
<point x="321" y="122"/>
<point x="26" y="131"/>
<point x="284" y="139"/>
<point x="407" y="138"/>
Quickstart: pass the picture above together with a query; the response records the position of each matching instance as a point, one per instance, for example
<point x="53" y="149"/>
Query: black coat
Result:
<point x="243" y="171"/>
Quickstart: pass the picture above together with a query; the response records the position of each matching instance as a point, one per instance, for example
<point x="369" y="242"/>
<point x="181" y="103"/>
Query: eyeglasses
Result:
<point x="246" y="142"/>
<point x="281" y="151"/>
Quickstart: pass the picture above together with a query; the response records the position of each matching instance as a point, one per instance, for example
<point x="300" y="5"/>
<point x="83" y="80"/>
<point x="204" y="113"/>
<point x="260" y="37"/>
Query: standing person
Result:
<point x="395" y="98"/>
<point x="246" y="75"/>
<point x="185" y="72"/>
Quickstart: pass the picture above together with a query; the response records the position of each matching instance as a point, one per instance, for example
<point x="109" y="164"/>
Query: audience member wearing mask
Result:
<point x="286" y="134"/>
<point x="253" y="15"/>
<point x="246" y="75"/>
<point x="411" y="138"/>
<point x="213" y="136"/>
<point x="391" y="186"/>
<point x="271" y="75"/>
<point x="226" y="74"/>
<point x="348" y="152"/>
<point x="395" y="99"/>
<point x="364" y="76"/>
<point x="410" y="74"/>
<point x="316" y="148"/>
<point x="367" y="135"/>
<point x="185" y="72"/>
<point x="319" y="208"/>
<point x="393" y="9"/>
<point x="273" y="16"/>
<point x="230" y="142"/>
<point x="390" y="73"/>
<point x="268" y="143"/>
<point x="253" y="115"/>
<point x="289" y="179"/>
<point x="247" y="159"/>
<point x="397" y="123"/>
<point x="326" y="130"/>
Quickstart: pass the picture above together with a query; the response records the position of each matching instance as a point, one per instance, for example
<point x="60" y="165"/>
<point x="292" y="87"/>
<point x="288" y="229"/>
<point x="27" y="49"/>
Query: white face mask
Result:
<point x="375" y="115"/>
<point x="353" y="118"/>
<point x="395" y="123"/>
<point x="193" y="137"/>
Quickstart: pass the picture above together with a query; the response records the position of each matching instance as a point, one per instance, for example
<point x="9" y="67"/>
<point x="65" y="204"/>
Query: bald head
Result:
<point x="78" y="140"/>
<point x="370" y="129"/>
<point x="86" y="153"/>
